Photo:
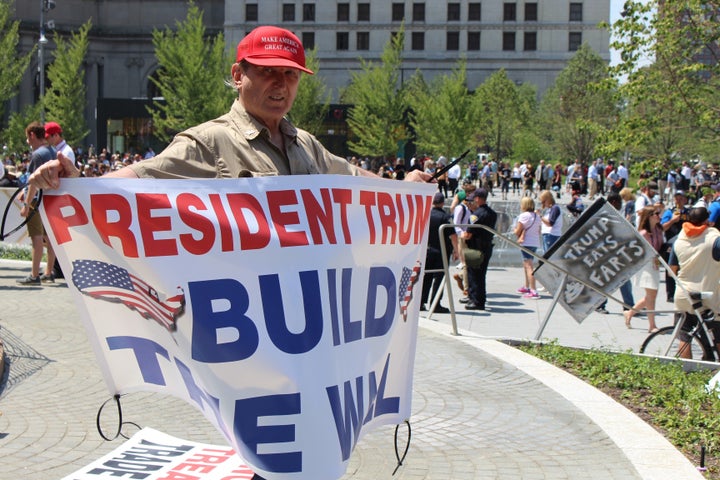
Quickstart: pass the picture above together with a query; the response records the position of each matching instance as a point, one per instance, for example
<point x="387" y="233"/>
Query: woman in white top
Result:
<point x="528" y="233"/>
<point x="516" y="178"/>
<point x="552" y="220"/>
<point x="649" y="277"/>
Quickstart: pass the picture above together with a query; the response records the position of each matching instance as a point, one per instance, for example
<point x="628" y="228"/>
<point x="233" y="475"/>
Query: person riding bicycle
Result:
<point x="694" y="247"/>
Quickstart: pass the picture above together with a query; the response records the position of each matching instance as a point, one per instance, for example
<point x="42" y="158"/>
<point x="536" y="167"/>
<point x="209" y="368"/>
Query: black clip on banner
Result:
<point x="4" y="235"/>
<point x="450" y="165"/>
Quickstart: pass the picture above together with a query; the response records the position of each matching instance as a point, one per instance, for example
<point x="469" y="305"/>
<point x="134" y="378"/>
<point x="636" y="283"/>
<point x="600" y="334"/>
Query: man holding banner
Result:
<point x="258" y="297"/>
<point x="254" y="139"/>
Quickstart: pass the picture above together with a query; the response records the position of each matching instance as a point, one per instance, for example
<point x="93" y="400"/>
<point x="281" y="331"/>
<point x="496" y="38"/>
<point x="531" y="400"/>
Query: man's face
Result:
<point x="53" y="139"/>
<point x="680" y="200"/>
<point x="267" y="93"/>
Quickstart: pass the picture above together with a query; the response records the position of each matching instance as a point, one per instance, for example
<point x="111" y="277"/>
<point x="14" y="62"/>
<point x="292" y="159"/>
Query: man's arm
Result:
<point x="48" y="175"/>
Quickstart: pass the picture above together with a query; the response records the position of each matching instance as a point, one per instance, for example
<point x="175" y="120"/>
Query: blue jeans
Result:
<point x="548" y="239"/>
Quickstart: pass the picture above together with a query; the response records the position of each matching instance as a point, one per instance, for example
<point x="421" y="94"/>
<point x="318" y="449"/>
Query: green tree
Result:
<point x="313" y="100"/>
<point x="442" y="113"/>
<point x="12" y="66"/>
<point x="500" y="112"/>
<point x="579" y="111"/>
<point x="191" y="76"/>
<point x="379" y="105"/>
<point x="14" y="135"/>
<point x="65" y="101"/>
<point x="682" y="40"/>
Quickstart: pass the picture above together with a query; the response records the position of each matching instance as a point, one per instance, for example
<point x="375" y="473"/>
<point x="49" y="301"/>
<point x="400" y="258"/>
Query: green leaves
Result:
<point x="312" y="101"/>
<point x="675" y="401"/>
<point x="12" y="66"/>
<point x="191" y="76"/>
<point x="379" y="103"/>
<point x="65" y="97"/>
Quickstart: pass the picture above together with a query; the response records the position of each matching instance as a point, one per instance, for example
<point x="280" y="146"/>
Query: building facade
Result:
<point x="532" y="41"/>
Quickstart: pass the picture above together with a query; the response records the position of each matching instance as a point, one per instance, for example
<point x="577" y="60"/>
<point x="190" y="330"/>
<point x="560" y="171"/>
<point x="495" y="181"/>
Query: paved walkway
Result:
<point x="481" y="409"/>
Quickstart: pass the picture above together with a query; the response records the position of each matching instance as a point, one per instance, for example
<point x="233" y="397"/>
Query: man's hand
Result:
<point x="419" y="176"/>
<point x="49" y="174"/>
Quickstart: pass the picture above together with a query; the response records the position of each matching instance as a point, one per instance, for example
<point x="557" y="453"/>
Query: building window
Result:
<point x="308" y="12"/>
<point x="418" y="40"/>
<point x="453" y="12"/>
<point x="343" y="12"/>
<point x="453" y="40"/>
<point x="251" y="12"/>
<point x="288" y="12"/>
<point x="342" y="41"/>
<point x="509" y="12"/>
<point x="530" y="41"/>
<point x="363" y="12"/>
<point x="574" y="41"/>
<point x="576" y="13"/>
<point x="363" y="40"/>
<point x="509" y="41"/>
<point x="418" y="12"/>
<point x="473" y="41"/>
<point x="308" y="40"/>
<point x="474" y="12"/>
<point x="398" y="12"/>
<point x="531" y="12"/>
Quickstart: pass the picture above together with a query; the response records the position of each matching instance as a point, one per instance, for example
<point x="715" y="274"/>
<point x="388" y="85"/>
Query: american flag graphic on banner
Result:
<point x="108" y="282"/>
<point x="408" y="280"/>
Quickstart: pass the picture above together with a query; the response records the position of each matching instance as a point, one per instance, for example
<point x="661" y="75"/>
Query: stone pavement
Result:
<point x="481" y="409"/>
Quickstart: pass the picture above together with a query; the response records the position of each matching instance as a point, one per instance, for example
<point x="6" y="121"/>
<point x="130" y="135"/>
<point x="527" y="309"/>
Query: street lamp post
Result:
<point x="45" y="6"/>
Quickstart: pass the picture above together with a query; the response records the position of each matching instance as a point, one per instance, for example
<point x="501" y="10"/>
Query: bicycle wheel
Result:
<point x="657" y="343"/>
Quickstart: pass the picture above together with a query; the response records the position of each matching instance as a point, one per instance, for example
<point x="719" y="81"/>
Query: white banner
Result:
<point x="154" y="455"/>
<point x="601" y="248"/>
<point x="285" y="308"/>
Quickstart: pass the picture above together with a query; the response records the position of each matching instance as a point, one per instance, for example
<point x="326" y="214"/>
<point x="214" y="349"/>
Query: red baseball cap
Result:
<point x="272" y="47"/>
<point x="51" y="128"/>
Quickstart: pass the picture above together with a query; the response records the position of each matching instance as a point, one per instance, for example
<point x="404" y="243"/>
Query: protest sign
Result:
<point x="154" y="455"/>
<point x="285" y="309"/>
<point x="602" y="249"/>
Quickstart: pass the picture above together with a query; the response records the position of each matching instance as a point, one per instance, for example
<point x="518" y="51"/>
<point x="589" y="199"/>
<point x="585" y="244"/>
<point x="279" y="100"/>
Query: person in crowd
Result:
<point x="432" y="280"/>
<point x="576" y="206"/>
<point x="645" y="198"/>
<point x="624" y="174"/>
<point x="528" y="179"/>
<point x="54" y="135"/>
<point x="628" y="210"/>
<point x="41" y="154"/>
<point x="705" y="197"/>
<point x="442" y="181"/>
<point x="527" y="231"/>
<point x="552" y="220"/>
<point x="649" y="277"/>
<point x="696" y="253"/>
<point x="254" y="139"/>
<point x="671" y="222"/>
<point x="516" y="179"/>
<point x="592" y="180"/>
<point x="505" y="177"/>
<point x="453" y="176"/>
<point x="480" y="240"/>
<point x="626" y="290"/>
<point x="714" y="207"/>
<point x="557" y="180"/>
<point x="541" y="176"/>
<point x="461" y="216"/>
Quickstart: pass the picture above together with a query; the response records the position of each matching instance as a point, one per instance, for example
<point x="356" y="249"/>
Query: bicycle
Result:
<point x="698" y="332"/>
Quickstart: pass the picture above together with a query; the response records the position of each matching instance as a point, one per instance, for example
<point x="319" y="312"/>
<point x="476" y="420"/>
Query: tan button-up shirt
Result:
<point x="236" y="145"/>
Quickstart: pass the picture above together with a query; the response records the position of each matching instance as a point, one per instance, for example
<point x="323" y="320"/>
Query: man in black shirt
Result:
<point x="433" y="257"/>
<point x="482" y="240"/>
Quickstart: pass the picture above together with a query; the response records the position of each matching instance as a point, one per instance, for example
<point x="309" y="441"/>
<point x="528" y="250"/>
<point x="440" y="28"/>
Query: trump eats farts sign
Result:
<point x="282" y="308"/>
